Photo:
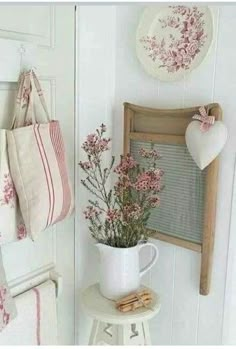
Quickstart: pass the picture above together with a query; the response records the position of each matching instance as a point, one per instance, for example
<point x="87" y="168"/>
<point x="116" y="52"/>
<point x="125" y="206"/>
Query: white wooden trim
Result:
<point x="47" y="42"/>
<point x="76" y="160"/>
<point x="226" y="340"/>
<point x="34" y="278"/>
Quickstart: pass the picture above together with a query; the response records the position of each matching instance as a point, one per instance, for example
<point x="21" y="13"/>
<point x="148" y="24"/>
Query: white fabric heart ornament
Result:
<point x="204" y="147"/>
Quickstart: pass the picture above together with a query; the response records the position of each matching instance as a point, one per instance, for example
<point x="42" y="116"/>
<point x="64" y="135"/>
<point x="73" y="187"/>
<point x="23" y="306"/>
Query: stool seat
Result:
<point x="114" y="327"/>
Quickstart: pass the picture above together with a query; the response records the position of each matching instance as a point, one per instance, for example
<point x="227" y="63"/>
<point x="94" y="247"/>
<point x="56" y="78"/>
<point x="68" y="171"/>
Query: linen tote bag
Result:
<point x="11" y="223"/>
<point x="38" y="161"/>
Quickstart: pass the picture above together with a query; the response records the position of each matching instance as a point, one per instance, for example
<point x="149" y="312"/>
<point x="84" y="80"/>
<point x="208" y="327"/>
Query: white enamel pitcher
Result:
<point x="120" y="273"/>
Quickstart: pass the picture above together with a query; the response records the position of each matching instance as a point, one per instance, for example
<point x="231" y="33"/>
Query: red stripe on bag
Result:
<point x="58" y="145"/>
<point x="45" y="171"/>
<point x="50" y="177"/>
<point x="60" y="154"/>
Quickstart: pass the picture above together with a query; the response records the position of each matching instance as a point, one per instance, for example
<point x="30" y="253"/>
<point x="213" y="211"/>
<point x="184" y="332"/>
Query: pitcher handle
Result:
<point x="154" y="258"/>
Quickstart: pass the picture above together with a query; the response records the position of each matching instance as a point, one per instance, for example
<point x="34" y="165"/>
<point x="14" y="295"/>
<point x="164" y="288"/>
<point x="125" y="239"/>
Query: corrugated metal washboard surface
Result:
<point x="180" y="213"/>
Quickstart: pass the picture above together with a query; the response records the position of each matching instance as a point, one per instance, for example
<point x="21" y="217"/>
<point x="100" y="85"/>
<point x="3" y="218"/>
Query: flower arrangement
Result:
<point x="118" y="215"/>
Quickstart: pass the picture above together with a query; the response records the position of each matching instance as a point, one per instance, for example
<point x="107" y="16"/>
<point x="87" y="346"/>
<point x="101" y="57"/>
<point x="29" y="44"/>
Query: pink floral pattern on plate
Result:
<point x="184" y="42"/>
<point x="4" y="315"/>
<point x="9" y="192"/>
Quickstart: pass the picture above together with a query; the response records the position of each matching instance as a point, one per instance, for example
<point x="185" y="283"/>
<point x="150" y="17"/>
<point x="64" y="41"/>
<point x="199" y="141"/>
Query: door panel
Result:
<point x="28" y="23"/>
<point x="50" y="30"/>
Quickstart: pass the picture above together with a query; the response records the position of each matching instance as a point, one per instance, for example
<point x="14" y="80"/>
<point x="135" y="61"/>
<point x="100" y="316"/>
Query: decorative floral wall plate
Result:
<point x="172" y="41"/>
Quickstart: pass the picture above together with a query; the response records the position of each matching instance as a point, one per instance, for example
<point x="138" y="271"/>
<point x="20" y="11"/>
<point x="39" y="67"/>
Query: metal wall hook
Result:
<point x="24" y="65"/>
<point x="22" y="49"/>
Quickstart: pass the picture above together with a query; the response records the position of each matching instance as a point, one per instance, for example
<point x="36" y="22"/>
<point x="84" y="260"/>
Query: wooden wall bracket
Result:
<point x="167" y="126"/>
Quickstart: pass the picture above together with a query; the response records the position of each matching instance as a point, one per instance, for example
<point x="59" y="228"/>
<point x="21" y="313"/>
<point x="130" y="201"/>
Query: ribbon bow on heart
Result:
<point x="206" y="120"/>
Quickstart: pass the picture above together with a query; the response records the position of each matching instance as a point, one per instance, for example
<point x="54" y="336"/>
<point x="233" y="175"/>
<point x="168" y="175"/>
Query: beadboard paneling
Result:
<point x="185" y="316"/>
<point x="95" y="93"/>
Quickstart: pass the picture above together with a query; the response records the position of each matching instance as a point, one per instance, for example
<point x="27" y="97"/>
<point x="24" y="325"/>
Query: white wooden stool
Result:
<point x="112" y="327"/>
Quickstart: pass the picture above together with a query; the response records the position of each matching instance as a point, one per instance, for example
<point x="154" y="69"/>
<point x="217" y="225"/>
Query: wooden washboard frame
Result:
<point x="167" y="126"/>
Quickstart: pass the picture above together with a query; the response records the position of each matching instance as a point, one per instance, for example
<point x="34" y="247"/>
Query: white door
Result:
<point x="51" y="30"/>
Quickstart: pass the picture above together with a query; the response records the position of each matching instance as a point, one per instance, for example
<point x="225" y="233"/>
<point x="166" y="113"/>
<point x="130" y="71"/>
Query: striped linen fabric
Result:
<point x="38" y="164"/>
<point x="36" y="323"/>
<point x="181" y="209"/>
<point x="39" y="171"/>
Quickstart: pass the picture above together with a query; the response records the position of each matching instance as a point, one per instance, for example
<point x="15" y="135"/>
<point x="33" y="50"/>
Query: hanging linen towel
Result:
<point x="12" y="225"/>
<point x="36" y="323"/>
<point x="38" y="161"/>
<point x="7" y="304"/>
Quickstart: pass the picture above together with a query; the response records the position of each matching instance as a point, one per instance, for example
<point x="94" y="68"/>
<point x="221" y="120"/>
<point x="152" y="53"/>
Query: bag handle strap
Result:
<point x="18" y="104"/>
<point x="40" y="93"/>
<point x="28" y="82"/>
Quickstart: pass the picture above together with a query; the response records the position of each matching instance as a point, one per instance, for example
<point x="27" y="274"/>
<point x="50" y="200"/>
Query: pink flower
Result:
<point x="123" y="184"/>
<point x="91" y="212"/>
<point x="188" y="34"/>
<point x="113" y="215"/>
<point x="26" y="94"/>
<point x="86" y="165"/>
<point x="9" y="192"/>
<point x="179" y="59"/>
<point x="6" y="317"/>
<point x="153" y="44"/>
<point x="142" y="183"/>
<point x="21" y="231"/>
<point x="191" y="22"/>
<point x="132" y="211"/>
<point x="149" y="180"/>
<point x="192" y="47"/>
<point x="4" y="314"/>
<point x="95" y="145"/>
<point x="169" y="61"/>
<point x="3" y="292"/>
<point x="149" y="154"/>
<point x="125" y="164"/>
<point x="91" y="138"/>
<point x="172" y="22"/>
<point x="154" y="201"/>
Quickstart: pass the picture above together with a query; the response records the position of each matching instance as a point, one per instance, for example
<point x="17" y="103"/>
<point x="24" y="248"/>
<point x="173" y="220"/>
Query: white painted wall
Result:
<point x="95" y="91"/>
<point x="109" y="74"/>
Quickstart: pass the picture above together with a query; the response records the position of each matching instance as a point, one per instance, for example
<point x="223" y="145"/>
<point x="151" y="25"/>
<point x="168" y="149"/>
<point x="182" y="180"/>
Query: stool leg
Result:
<point x="131" y="334"/>
<point x="103" y="334"/>
<point x="135" y="334"/>
<point x="146" y="333"/>
<point x="94" y="333"/>
<point x="123" y="334"/>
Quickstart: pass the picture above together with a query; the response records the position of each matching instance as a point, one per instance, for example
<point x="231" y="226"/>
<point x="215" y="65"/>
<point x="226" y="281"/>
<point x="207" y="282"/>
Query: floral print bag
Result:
<point x="7" y="305"/>
<point x="11" y="222"/>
